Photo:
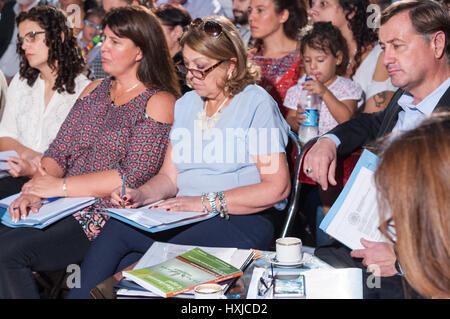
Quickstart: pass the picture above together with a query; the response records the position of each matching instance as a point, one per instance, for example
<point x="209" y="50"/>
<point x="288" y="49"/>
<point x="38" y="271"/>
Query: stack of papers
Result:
<point x="160" y="252"/>
<point x="47" y="214"/>
<point x="344" y="283"/>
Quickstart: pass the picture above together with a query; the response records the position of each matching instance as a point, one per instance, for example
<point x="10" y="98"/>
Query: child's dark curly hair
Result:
<point x="64" y="54"/>
<point x="325" y="37"/>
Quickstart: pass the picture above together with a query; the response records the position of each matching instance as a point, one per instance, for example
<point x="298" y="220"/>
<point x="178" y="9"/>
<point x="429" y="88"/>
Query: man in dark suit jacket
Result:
<point x="415" y="37"/>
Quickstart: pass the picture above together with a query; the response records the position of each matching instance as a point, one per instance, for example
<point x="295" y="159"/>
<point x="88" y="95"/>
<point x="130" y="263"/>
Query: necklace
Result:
<point x="206" y="122"/>
<point x="113" y="100"/>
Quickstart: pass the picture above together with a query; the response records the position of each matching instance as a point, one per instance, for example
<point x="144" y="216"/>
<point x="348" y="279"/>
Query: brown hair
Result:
<point x="427" y="18"/>
<point x="141" y="26"/>
<point x="413" y="183"/>
<point x="226" y="46"/>
<point x="325" y="37"/>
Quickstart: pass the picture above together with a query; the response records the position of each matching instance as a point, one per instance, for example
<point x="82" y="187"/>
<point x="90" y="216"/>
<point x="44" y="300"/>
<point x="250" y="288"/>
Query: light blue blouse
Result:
<point x="219" y="158"/>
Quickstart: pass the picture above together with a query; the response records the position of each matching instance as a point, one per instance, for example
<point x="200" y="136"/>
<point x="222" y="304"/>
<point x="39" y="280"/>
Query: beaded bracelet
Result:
<point x="212" y="201"/>
<point x="223" y="206"/>
<point x="205" y="209"/>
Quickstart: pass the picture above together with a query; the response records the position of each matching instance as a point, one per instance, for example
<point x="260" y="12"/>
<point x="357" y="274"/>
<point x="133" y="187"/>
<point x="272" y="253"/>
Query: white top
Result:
<point x="27" y="120"/>
<point x="364" y="75"/>
<point x="342" y="88"/>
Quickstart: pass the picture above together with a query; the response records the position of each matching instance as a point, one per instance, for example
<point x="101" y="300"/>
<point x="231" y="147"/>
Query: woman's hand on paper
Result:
<point x="44" y="185"/>
<point x="132" y="198"/>
<point x="181" y="204"/>
<point x="378" y="257"/>
<point x="21" y="206"/>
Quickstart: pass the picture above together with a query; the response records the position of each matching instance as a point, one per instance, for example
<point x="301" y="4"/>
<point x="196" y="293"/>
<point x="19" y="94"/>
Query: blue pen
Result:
<point x="41" y="202"/>
<point x="123" y="185"/>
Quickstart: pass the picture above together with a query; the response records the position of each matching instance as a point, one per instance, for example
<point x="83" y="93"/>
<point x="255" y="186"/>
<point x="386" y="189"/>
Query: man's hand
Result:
<point x="320" y="162"/>
<point x="377" y="256"/>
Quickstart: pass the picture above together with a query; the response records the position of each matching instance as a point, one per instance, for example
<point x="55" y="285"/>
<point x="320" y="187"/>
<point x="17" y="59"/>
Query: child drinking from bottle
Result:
<point x="325" y="57"/>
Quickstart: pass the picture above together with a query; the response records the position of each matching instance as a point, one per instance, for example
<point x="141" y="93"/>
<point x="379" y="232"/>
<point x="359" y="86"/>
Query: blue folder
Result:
<point x="159" y="228"/>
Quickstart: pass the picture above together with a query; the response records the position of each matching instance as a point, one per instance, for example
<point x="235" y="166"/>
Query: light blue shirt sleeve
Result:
<point x="333" y="137"/>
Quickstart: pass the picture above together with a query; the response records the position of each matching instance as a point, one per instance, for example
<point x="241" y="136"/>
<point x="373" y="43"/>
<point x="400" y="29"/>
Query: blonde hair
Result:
<point x="413" y="182"/>
<point x="227" y="46"/>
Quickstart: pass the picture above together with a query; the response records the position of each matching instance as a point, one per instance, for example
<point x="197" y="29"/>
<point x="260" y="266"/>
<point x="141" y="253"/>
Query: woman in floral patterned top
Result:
<point x="119" y="127"/>
<point x="275" y="24"/>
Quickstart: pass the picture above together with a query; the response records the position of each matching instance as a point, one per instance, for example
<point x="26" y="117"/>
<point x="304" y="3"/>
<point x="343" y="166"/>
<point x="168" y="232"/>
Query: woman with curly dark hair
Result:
<point x="41" y="95"/>
<point x="358" y="26"/>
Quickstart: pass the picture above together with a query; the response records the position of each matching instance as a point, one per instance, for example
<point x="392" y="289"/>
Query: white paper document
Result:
<point x="354" y="215"/>
<point x="153" y="217"/>
<point x="344" y="283"/>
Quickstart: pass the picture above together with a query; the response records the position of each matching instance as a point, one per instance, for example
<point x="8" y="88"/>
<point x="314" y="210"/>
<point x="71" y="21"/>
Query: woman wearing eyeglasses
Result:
<point x="116" y="133"/>
<point x="41" y="95"/>
<point x="225" y="156"/>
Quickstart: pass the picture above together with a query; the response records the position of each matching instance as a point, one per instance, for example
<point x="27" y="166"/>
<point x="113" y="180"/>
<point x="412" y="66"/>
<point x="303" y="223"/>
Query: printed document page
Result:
<point x="354" y="215"/>
<point x="358" y="216"/>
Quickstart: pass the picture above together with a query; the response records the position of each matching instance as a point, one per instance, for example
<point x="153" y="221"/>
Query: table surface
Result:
<point x="238" y="290"/>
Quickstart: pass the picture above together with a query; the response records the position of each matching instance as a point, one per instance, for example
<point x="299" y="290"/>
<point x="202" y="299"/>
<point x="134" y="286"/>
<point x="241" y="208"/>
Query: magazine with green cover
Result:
<point x="183" y="273"/>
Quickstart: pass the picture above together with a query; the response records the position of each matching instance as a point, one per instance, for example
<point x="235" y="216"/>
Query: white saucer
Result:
<point x="273" y="259"/>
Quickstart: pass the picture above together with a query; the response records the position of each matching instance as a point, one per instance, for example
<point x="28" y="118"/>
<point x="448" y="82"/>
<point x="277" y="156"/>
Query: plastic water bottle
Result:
<point x="310" y="127"/>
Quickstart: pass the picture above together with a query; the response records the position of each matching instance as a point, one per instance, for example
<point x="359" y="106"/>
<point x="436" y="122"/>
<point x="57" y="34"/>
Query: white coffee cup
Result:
<point x="289" y="249"/>
<point x="208" y="291"/>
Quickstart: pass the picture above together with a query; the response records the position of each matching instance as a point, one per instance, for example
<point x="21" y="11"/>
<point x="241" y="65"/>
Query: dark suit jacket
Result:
<point x="366" y="128"/>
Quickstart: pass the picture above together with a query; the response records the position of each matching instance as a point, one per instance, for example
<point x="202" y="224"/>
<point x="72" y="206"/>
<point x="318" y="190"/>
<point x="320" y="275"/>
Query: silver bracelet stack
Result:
<point x="212" y="196"/>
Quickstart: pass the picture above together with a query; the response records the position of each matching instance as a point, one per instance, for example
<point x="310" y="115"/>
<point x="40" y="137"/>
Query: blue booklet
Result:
<point x="354" y="215"/>
<point x="49" y="213"/>
<point x="156" y="220"/>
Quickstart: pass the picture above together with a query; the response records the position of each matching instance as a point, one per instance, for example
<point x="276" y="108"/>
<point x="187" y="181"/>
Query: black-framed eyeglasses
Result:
<point x="211" y="28"/>
<point x="198" y="74"/>
<point x="30" y="37"/>
<point x="92" y="24"/>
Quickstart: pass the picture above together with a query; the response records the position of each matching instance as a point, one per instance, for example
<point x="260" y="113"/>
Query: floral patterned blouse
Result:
<point x="99" y="136"/>
<point x="278" y="75"/>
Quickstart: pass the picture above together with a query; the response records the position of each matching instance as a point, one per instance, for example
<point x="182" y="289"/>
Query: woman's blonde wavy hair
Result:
<point x="227" y="46"/>
<point x="413" y="183"/>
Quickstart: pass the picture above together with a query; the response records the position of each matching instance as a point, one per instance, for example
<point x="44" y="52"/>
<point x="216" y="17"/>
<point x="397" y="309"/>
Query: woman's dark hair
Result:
<point x="172" y="15"/>
<point x="64" y="54"/>
<point x="141" y="26"/>
<point x="364" y="36"/>
<point x="298" y="18"/>
<point x="325" y="37"/>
